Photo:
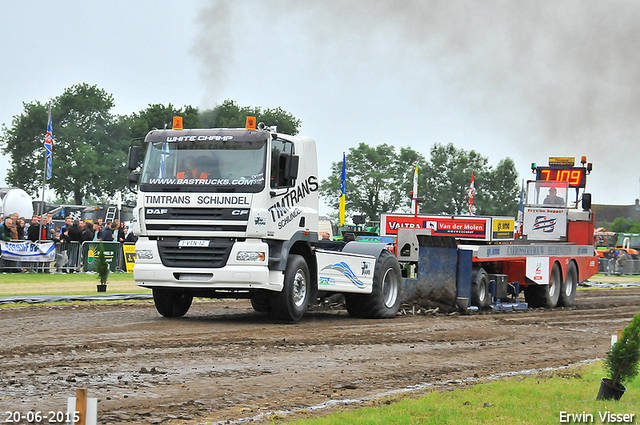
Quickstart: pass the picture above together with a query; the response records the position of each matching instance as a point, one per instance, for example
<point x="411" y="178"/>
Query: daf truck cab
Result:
<point x="233" y="213"/>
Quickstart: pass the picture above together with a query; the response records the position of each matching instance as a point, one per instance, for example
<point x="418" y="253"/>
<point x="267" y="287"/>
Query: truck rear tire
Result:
<point x="569" y="287"/>
<point x="384" y="300"/>
<point x="545" y="295"/>
<point x="171" y="302"/>
<point x="480" y="295"/>
<point x="292" y="302"/>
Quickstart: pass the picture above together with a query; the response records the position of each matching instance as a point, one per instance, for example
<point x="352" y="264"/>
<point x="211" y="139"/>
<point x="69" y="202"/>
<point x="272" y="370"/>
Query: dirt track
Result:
<point x="223" y="361"/>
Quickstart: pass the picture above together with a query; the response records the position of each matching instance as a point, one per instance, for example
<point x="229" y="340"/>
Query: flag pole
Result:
<point x="46" y="172"/>
<point x="414" y="193"/>
<point x="472" y="190"/>
<point x="343" y="190"/>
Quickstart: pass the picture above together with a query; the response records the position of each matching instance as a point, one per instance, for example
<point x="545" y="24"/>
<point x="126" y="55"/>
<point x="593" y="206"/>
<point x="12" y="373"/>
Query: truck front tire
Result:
<point x="384" y="300"/>
<point x="261" y="302"/>
<point x="171" y="303"/>
<point x="292" y="302"/>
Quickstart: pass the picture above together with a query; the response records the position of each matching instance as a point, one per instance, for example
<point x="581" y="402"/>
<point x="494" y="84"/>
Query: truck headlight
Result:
<point x="250" y="256"/>
<point x="144" y="254"/>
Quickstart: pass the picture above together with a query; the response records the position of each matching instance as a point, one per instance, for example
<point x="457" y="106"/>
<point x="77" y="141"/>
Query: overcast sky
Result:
<point x="519" y="79"/>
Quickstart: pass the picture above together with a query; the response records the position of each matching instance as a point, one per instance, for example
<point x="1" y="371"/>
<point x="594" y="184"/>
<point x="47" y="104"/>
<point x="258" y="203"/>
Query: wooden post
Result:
<point x="81" y="405"/>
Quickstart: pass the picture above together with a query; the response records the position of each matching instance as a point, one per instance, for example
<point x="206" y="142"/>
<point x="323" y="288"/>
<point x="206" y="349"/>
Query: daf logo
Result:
<point x="240" y="212"/>
<point x="151" y="211"/>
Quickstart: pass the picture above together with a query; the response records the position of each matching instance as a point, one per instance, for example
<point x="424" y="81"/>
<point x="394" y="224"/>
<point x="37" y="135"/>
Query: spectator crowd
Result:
<point x="15" y="229"/>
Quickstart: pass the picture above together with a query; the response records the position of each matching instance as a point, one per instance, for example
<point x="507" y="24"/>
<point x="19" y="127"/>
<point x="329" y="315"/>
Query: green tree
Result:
<point x="230" y="115"/>
<point x="448" y="177"/>
<point x="379" y="180"/>
<point x="89" y="145"/>
<point x="23" y="142"/>
<point x="375" y="178"/>
<point x="625" y="225"/>
<point x="498" y="193"/>
<point x="158" y="116"/>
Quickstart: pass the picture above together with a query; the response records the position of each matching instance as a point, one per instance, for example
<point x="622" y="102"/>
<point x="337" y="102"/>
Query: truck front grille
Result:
<point x="196" y="227"/>
<point x="196" y="219"/>
<point x="213" y="256"/>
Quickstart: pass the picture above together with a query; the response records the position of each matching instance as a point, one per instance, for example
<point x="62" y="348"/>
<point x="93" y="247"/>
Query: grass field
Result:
<point x="544" y="398"/>
<point x="15" y="284"/>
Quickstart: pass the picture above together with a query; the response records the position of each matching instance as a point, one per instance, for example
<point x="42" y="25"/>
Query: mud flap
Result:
<point x="463" y="279"/>
<point x="435" y="286"/>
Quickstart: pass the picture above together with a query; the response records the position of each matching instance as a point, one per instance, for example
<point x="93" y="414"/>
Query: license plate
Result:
<point x="193" y="243"/>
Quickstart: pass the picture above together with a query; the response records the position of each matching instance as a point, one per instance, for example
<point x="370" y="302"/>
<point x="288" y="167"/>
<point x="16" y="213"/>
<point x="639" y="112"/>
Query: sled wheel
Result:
<point x="291" y="303"/>
<point x="384" y="300"/>
<point x="569" y="286"/>
<point x="171" y="302"/>
<point x="480" y="295"/>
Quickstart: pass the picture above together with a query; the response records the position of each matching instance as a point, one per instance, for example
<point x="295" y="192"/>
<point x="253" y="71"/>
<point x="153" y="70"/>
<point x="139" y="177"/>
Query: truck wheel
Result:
<point x="171" y="303"/>
<point x="261" y="302"/>
<point x="569" y="287"/>
<point x="480" y="295"/>
<point x="531" y="296"/>
<point x="549" y="294"/>
<point x="384" y="300"/>
<point x="292" y="302"/>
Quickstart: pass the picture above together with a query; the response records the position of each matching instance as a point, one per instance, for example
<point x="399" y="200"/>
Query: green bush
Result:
<point x="624" y="357"/>
<point x="102" y="266"/>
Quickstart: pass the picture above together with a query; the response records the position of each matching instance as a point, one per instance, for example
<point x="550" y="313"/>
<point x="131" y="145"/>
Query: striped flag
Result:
<point x="414" y="198"/>
<point x="48" y="147"/>
<point x="343" y="184"/>
<point x="472" y="191"/>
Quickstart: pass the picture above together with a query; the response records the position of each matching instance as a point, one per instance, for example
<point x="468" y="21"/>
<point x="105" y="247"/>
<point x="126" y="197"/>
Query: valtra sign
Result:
<point x="460" y="227"/>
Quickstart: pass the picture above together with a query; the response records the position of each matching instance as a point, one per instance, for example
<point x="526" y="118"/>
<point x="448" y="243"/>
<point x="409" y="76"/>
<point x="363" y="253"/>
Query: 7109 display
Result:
<point x="575" y="176"/>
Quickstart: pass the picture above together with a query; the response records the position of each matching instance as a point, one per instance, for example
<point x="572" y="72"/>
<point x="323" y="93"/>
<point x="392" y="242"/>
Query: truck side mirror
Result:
<point x="291" y="168"/>
<point x="359" y="219"/>
<point x="134" y="178"/>
<point x="287" y="169"/>
<point x="134" y="157"/>
<point x="586" y="201"/>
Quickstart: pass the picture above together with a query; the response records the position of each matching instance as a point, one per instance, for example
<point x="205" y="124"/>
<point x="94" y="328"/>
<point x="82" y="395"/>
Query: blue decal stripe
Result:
<point x="344" y="268"/>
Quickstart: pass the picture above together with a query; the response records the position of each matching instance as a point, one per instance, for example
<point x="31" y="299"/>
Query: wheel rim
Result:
<point x="299" y="288"/>
<point x="482" y="290"/>
<point x="389" y="288"/>
<point x="554" y="283"/>
<point x="568" y="290"/>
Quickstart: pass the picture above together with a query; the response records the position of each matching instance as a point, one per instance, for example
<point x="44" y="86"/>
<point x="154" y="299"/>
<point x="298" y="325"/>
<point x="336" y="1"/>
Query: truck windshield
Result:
<point x="205" y="165"/>
<point x="547" y="194"/>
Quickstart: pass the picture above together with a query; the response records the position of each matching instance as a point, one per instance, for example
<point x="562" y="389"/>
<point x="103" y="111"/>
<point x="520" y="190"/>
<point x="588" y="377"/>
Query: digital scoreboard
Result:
<point x="575" y="176"/>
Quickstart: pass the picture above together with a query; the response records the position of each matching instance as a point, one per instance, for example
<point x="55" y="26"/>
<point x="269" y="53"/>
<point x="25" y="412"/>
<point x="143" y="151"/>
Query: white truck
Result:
<point x="233" y="213"/>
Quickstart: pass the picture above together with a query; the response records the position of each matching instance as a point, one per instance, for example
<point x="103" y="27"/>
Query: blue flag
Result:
<point x="343" y="184"/>
<point x="48" y="147"/>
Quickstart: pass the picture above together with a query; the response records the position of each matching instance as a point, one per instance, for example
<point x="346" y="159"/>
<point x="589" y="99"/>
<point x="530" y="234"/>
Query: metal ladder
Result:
<point x="111" y="214"/>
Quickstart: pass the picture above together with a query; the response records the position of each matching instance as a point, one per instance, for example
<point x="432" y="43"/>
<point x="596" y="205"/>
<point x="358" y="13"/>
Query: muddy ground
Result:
<point x="224" y="362"/>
